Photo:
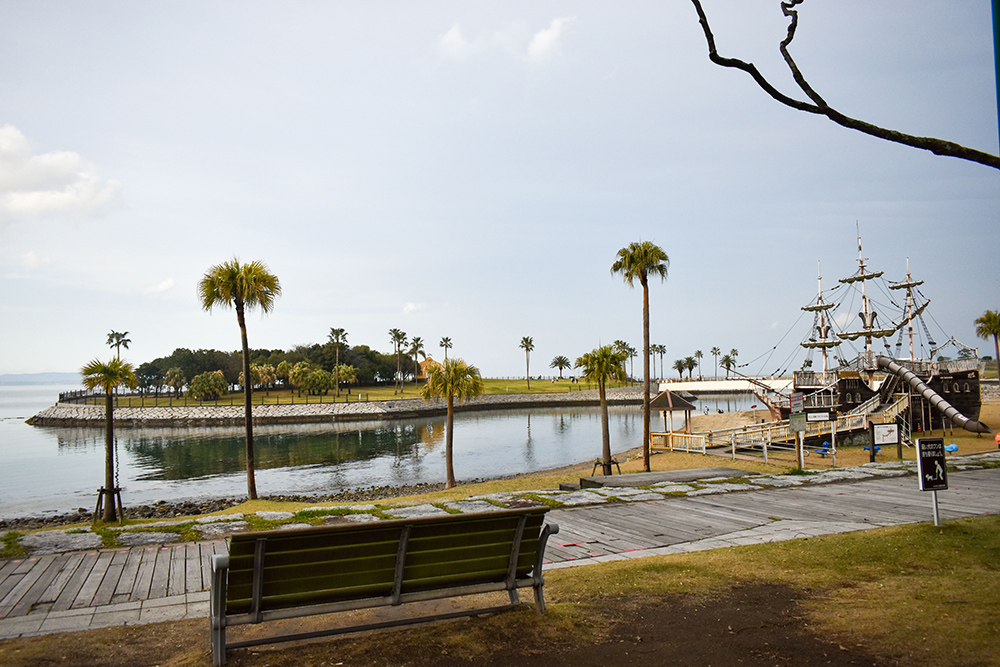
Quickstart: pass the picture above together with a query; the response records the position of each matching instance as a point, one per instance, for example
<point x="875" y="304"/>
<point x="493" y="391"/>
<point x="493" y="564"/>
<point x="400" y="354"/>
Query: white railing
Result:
<point x="683" y="442"/>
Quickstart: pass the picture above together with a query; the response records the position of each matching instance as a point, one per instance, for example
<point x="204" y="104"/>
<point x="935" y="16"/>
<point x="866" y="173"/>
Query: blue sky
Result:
<point x="469" y="169"/>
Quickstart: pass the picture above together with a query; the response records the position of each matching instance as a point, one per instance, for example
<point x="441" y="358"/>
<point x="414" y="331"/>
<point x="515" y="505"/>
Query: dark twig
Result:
<point x="819" y="106"/>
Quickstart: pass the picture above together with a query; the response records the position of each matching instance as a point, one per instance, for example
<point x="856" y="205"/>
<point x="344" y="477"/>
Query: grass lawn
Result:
<point x="376" y="393"/>
<point x="912" y="595"/>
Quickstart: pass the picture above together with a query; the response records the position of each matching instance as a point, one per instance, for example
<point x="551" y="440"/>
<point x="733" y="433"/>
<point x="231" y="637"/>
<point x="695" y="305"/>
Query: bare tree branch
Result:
<point x="817" y="105"/>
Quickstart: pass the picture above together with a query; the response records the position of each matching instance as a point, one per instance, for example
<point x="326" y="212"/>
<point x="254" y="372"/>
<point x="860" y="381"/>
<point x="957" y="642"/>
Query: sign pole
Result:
<point x="937" y="515"/>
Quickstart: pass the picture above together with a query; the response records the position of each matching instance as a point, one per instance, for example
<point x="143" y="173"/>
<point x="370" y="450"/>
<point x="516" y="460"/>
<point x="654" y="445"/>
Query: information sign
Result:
<point x="931" y="464"/>
<point x="818" y="416"/>
<point x="797" y="402"/>
<point x="797" y="422"/>
<point x="885" y="434"/>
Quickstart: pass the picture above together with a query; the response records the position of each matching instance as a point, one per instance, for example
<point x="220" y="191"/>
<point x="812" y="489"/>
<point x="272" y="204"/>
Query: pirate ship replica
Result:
<point x="936" y="393"/>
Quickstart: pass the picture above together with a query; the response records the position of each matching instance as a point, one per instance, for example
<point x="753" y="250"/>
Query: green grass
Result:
<point x="375" y="393"/>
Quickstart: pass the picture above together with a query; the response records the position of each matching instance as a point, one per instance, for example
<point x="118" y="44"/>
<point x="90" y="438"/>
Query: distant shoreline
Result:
<point x="72" y="414"/>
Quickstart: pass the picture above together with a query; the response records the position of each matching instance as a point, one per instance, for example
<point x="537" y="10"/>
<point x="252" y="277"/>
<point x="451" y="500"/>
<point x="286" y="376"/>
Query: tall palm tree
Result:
<point x="337" y="338"/>
<point x="118" y="340"/>
<point x="715" y="352"/>
<point x="241" y="286"/>
<point x="600" y="366"/>
<point x="446" y="344"/>
<point x="690" y="364"/>
<point x="527" y="344"/>
<point x="734" y="353"/>
<point x="637" y="262"/>
<point x="417" y="348"/>
<point x="680" y="366"/>
<point x="398" y="339"/>
<point x="989" y="325"/>
<point x="698" y="355"/>
<point x="451" y="380"/>
<point x="108" y="376"/>
<point x="727" y="362"/>
<point x="660" y="350"/>
<point x="561" y="363"/>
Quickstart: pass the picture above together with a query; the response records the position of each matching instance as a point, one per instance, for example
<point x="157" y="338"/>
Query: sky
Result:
<point x="470" y="169"/>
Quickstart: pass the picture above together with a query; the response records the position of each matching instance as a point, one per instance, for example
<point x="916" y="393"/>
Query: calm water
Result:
<point x="45" y="470"/>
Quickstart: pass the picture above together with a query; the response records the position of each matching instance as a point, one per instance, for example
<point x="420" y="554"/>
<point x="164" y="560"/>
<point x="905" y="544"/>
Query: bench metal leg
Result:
<point x="217" y="608"/>
<point x="538" y="586"/>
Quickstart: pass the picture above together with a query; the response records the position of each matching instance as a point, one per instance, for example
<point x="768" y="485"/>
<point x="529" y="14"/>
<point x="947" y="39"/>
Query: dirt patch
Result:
<point x="759" y="624"/>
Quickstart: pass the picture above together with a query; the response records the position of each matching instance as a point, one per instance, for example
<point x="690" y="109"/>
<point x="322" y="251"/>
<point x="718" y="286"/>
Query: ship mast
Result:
<point x="822" y="327"/>
<point x="911" y="314"/>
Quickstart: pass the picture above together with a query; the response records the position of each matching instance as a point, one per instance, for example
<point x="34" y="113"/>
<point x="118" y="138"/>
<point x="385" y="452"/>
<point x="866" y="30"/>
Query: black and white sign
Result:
<point x="931" y="464"/>
<point x="885" y="434"/>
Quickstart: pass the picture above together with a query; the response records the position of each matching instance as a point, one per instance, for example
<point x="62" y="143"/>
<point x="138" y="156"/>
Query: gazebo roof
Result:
<point x="668" y="401"/>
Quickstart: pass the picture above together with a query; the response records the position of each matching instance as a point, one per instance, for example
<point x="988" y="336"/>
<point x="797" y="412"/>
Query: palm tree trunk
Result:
<point x="247" y="403"/>
<point x="109" y="515"/>
<point x="605" y="430"/>
<point x="448" y="439"/>
<point x="645" y="373"/>
<point x="996" y="345"/>
<point x="337" y="369"/>
<point x="527" y="371"/>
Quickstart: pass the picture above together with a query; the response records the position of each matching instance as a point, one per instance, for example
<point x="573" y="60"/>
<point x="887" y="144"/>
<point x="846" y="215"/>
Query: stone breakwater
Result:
<point x="74" y="414"/>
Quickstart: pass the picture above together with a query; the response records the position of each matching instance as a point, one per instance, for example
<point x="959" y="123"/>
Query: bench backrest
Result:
<point x="307" y="566"/>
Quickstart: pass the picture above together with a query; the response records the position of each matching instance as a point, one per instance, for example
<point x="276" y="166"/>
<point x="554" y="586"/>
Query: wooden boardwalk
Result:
<point x="125" y="579"/>
<point x="61" y="582"/>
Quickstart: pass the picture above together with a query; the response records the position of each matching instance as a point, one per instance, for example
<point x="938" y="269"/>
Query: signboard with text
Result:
<point x="797" y="422"/>
<point x="931" y="465"/>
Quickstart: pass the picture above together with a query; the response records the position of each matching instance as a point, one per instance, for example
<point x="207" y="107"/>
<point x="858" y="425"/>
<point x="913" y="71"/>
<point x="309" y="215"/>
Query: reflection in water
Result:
<point x="50" y="469"/>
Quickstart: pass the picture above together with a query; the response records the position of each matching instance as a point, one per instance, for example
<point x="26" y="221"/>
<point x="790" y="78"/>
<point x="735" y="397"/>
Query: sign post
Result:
<point x="932" y="469"/>
<point x="880" y="435"/>
<point x="797" y="425"/>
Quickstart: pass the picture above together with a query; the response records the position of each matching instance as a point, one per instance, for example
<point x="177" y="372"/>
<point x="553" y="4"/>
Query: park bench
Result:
<point x="319" y="570"/>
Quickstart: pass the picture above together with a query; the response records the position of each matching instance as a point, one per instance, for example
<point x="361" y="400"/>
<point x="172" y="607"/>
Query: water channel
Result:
<point x="50" y="470"/>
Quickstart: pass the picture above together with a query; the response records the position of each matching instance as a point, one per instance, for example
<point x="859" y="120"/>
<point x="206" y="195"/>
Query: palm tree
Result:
<point x="715" y="352"/>
<point x="601" y="365"/>
<point x="680" y="367"/>
<point x="527" y="344"/>
<point x="989" y="325"/>
<point x="727" y="362"/>
<point x="417" y="348"/>
<point x="659" y="349"/>
<point x="690" y="364"/>
<point x="453" y="379"/>
<point x="118" y="340"/>
<point x="698" y="355"/>
<point x="175" y="379"/>
<point x="638" y="261"/>
<point x="241" y="286"/>
<point x="337" y="338"/>
<point x="108" y="376"/>
<point x="398" y="339"/>
<point x="734" y="353"/>
<point x="446" y="344"/>
<point x="561" y="363"/>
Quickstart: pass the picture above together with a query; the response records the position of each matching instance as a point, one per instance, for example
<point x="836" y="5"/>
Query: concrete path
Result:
<point x="100" y="588"/>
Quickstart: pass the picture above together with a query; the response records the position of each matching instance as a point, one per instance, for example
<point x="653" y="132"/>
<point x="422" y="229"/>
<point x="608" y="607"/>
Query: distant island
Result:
<point x="40" y="378"/>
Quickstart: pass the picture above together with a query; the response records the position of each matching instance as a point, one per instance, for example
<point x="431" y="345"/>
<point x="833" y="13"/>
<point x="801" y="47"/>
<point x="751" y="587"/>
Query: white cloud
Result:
<point x="60" y="181"/>
<point x="546" y="44"/>
<point x="31" y="260"/>
<point x="160" y="287"/>
<point x="536" y="49"/>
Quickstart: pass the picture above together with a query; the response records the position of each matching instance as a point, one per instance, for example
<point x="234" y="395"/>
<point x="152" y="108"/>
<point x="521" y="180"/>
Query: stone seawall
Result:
<point x="73" y="414"/>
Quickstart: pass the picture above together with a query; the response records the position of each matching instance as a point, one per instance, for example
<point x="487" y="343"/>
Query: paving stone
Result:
<point x="472" y="506"/>
<point x="580" y="498"/>
<point x="275" y="516"/>
<point x="780" y="482"/>
<point x="414" y="511"/>
<point x="143" y="538"/>
<point x="723" y="487"/>
<point x="236" y="516"/>
<point x="670" y="487"/>
<point x="352" y="518"/>
<point x="222" y="528"/>
<point x="888" y="472"/>
<point x="646" y="495"/>
<point x="58" y="541"/>
<point x="289" y="526"/>
<point x="838" y="475"/>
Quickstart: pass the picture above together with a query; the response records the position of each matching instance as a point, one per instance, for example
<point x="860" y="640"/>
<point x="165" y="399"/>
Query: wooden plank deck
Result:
<point x="96" y="578"/>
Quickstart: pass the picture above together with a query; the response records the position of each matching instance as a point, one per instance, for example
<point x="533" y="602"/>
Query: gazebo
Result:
<point x="668" y="402"/>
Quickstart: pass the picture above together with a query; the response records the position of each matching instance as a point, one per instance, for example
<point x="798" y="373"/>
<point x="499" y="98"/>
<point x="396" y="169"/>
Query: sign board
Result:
<point x="885" y="434"/>
<point x="797" y="402"/>
<point x="931" y="466"/>
<point x="819" y="416"/>
<point x="797" y="422"/>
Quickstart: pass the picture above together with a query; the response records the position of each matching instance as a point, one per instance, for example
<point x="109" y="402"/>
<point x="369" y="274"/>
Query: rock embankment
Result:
<point x="75" y="414"/>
